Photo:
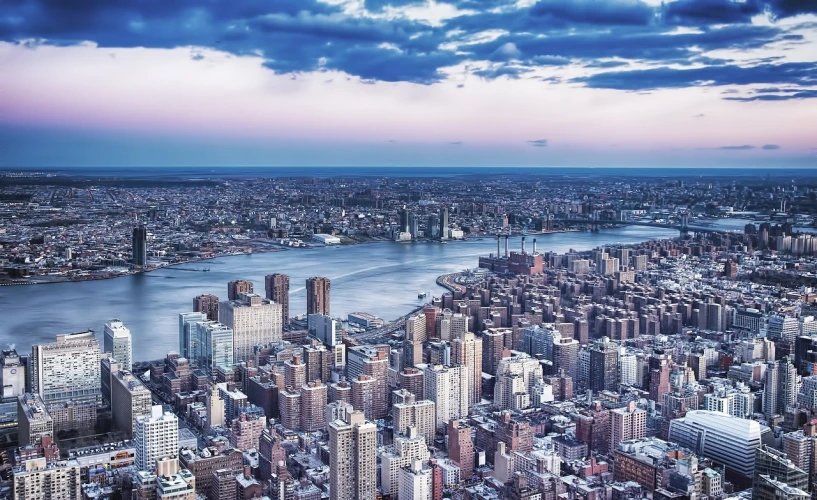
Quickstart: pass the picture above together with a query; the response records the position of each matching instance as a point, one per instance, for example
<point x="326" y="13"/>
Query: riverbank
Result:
<point x="258" y="248"/>
<point x="50" y="280"/>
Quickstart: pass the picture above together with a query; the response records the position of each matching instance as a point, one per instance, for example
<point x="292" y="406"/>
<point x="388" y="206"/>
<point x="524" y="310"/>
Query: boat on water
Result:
<point x="422" y="295"/>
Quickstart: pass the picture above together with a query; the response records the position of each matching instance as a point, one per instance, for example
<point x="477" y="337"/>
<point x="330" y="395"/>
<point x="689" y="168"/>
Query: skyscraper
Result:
<point x="418" y="414"/>
<point x="207" y="304"/>
<point x="447" y="386"/>
<point x="461" y="447"/>
<point x="604" y="366"/>
<point x="317" y="295"/>
<point x="129" y="399"/>
<point x="276" y="286"/>
<point x="352" y="458"/>
<point x="155" y="436"/>
<point x="407" y="447"/>
<point x="467" y="351"/>
<point x="140" y="246"/>
<point x="189" y="344"/>
<point x="215" y="346"/>
<point x="659" y="376"/>
<point x="780" y="387"/>
<point x="444" y="223"/>
<point x="67" y="369"/>
<point x="117" y="341"/>
<point x="313" y="406"/>
<point x="374" y="362"/>
<point x="516" y="375"/>
<point x="236" y="287"/>
<point x="254" y="321"/>
<point x="416" y="481"/>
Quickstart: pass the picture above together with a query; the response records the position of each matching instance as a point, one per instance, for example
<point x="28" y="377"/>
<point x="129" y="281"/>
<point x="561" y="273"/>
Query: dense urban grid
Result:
<point x="56" y="227"/>
<point x="680" y="368"/>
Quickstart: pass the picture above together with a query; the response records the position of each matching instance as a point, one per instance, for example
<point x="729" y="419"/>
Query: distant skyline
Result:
<point x="568" y="83"/>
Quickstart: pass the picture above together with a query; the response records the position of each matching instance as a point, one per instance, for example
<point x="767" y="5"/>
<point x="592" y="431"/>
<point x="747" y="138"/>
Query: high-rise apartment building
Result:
<point x="415" y="413"/>
<point x="780" y="388"/>
<point x="207" y="304"/>
<point x="461" y="447"/>
<point x="314" y="397"/>
<point x="603" y="374"/>
<point x="627" y="423"/>
<point x="317" y="295"/>
<point x="565" y="356"/>
<point x="189" y="343"/>
<point x="236" y="288"/>
<point x="36" y="479"/>
<point x="155" y="436"/>
<point x="494" y="342"/>
<point x="139" y="246"/>
<point x="801" y="448"/>
<point x="412" y="380"/>
<point x="447" y="386"/>
<point x="319" y="362"/>
<point x="276" y="286"/>
<point x="352" y="458"/>
<point x="374" y="362"/>
<point x="406" y="448"/>
<point x="130" y="398"/>
<point x="67" y="369"/>
<point x="659" y="385"/>
<point x="416" y="481"/>
<point x="12" y="375"/>
<point x="33" y="420"/>
<point x="117" y="341"/>
<point x="289" y="407"/>
<point x="294" y="373"/>
<point x="247" y="428"/>
<point x="254" y="320"/>
<point x="215" y="349"/>
<point x="365" y="391"/>
<point x="517" y="374"/>
<point x="467" y="351"/>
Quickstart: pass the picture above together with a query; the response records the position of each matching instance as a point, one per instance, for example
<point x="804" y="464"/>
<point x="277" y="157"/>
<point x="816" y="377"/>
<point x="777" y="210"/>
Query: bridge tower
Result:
<point x="684" y="225"/>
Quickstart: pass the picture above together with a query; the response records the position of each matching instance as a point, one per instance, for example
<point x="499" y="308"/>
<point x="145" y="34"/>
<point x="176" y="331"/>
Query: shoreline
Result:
<point x="259" y="248"/>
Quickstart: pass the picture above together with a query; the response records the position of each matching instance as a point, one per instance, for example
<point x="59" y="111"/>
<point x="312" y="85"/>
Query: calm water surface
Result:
<point x="380" y="278"/>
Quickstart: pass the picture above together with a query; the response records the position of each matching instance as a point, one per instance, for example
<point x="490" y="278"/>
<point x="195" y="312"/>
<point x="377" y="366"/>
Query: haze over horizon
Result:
<point x="567" y="83"/>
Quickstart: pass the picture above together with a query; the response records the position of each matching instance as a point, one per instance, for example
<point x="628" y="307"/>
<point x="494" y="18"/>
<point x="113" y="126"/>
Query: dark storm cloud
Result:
<point x="658" y="78"/>
<point x="306" y="35"/>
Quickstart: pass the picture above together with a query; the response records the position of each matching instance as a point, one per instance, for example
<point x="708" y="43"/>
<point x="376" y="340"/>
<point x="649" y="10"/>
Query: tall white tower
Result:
<point x="117" y="341"/>
<point x="156" y="436"/>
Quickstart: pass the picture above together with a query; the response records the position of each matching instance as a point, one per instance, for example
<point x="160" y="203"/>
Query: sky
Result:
<point x="574" y="83"/>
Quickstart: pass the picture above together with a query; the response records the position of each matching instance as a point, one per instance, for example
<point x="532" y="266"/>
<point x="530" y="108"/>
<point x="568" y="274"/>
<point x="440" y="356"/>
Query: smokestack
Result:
<point x="534" y="246"/>
<point x="523" y="245"/>
<point x="498" y="237"/>
<point x="506" y="247"/>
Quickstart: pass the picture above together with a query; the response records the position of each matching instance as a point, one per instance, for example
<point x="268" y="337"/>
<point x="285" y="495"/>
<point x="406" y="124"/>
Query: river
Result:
<point x="380" y="278"/>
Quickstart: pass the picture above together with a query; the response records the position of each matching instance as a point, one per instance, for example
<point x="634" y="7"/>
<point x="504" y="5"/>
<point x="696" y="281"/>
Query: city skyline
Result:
<point x="434" y="83"/>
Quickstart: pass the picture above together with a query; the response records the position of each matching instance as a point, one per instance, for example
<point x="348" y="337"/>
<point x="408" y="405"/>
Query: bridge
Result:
<point x="684" y="227"/>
